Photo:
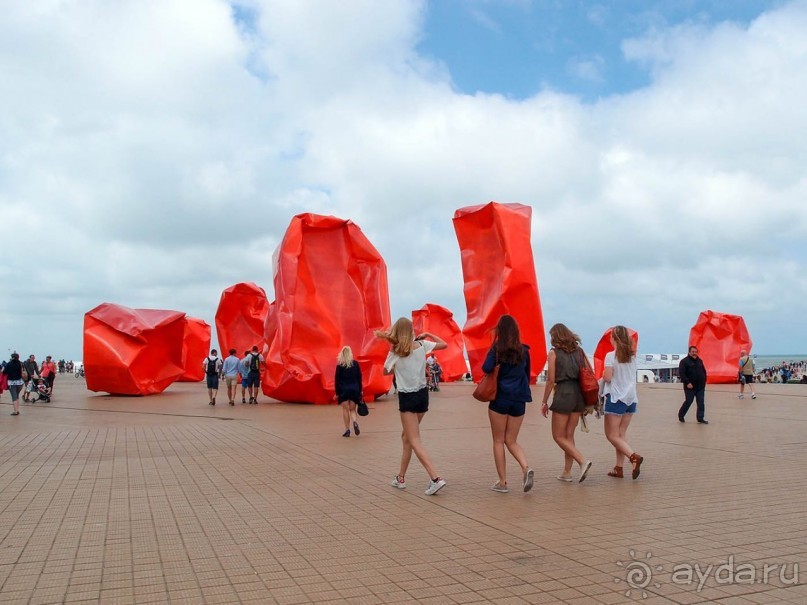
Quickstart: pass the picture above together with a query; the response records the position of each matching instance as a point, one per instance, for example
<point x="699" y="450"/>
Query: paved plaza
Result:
<point x="165" y="499"/>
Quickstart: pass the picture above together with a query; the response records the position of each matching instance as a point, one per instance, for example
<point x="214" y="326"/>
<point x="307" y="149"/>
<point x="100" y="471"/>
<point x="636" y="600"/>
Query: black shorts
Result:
<point x="508" y="408"/>
<point x="416" y="402"/>
<point x="748" y="379"/>
<point x="212" y="381"/>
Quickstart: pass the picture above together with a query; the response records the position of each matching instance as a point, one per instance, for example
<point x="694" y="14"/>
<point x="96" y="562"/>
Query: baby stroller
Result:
<point x="38" y="391"/>
<point x="433" y="373"/>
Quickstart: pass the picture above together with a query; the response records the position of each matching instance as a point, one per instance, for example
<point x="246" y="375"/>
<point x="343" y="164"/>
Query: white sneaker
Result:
<point x="740" y="396"/>
<point x="529" y="477"/>
<point x="498" y="487"/>
<point x="564" y="479"/>
<point x="396" y="482"/>
<point x="753" y="396"/>
<point x="584" y="471"/>
<point x="435" y="486"/>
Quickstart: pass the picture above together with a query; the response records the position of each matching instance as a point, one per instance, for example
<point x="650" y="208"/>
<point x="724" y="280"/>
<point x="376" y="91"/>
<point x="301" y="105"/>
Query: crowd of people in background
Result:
<point x="787" y="371"/>
<point x="29" y="380"/>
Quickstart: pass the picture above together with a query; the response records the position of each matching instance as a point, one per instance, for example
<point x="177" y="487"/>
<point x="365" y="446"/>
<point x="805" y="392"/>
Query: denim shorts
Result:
<point x="617" y="408"/>
<point x="212" y="381"/>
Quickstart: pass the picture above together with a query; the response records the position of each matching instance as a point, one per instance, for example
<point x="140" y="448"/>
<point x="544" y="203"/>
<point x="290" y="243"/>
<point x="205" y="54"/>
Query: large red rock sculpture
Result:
<point x="499" y="274"/>
<point x="604" y="347"/>
<point x="240" y="318"/>
<point x="132" y="351"/>
<point x="719" y="338"/>
<point x="195" y="347"/>
<point x="330" y="291"/>
<point x="440" y="321"/>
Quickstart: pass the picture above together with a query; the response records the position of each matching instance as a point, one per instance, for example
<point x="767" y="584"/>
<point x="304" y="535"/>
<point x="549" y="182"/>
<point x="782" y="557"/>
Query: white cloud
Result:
<point x="153" y="153"/>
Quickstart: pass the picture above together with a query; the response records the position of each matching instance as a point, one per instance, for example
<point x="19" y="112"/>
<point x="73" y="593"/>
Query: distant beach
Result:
<point x="768" y="361"/>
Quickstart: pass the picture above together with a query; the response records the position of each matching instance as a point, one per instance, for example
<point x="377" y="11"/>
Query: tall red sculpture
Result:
<point x="440" y="321"/>
<point x="604" y="347"/>
<point x="719" y="338"/>
<point x="132" y="351"/>
<point x="499" y="274"/>
<point x="240" y="318"/>
<point x="195" y="347"/>
<point x="330" y="291"/>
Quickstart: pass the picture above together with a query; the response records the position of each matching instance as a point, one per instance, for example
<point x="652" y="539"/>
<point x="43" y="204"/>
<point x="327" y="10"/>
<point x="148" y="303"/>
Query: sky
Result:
<point x="153" y="153"/>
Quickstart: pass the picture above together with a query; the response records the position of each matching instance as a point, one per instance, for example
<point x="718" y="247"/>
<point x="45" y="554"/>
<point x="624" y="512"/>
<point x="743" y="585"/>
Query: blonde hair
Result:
<point x="401" y="336"/>
<point x="345" y="358"/>
<point x="563" y="338"/>
<point x="623" y="344"/>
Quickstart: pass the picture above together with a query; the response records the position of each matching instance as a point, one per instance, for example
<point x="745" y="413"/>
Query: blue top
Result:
<point x="230" y="367"/>
<point x="514" y="380"/>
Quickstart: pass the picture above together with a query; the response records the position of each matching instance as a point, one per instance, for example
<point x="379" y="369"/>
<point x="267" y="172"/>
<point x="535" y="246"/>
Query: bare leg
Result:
<point x="352" y="408"/>
<point x="615" y="429"/>
<point x="345" y="415"/>
<point x="563" y="427"/>
<point x="498" y="427"/>
<point x="411" y="433"/>
<point x="511" y="441"/>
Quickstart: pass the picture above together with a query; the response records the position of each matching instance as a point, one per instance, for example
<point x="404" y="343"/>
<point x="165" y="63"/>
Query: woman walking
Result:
<point x="506" y="411"/>
<point x="407" y="360"/>
<point x="621" y="399"/>
<point x="564" y="361"/>
<point x="347" y="382"/>
<point x="13" y="371"/>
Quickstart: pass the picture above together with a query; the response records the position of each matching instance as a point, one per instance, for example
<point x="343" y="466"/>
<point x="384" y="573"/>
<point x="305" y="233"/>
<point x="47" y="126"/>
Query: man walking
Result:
<point x="693" y="376"/>
<point x="746" y="374"/>
<point x="229" y="369"/>
<point x="254" y="376"/>
<point x="243" y="369"/>
<point x="212" y="366"/>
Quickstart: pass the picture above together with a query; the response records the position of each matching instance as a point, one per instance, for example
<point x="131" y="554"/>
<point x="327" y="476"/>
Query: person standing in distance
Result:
<point x="212" y="366"/>
<point x="746" y="374"/>
<point x="693" y="376"/>
<point x="13" y="370"/>
<point x="229" y="370"/>
<point x="254" y="376"/>
<point x="243" y="370"/>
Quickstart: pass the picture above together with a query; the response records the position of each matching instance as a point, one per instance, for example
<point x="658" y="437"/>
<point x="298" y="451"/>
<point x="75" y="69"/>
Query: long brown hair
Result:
<point x="507" y="343"/>
<point x="401" y="336"/>
<point x="563" y="338"/>
<point x="623" y="344"/>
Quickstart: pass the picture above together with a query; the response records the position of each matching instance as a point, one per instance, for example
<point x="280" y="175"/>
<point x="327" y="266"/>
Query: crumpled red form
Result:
<point x="195" y="348"/>
<point x="240" y="318"/>
<point x="132" y="351"/>
<point x="499" y="274"/>
<point x="719" y="338"/>
<point x="440" y="321"/>
<point x="604" y="347"/>
<point x="330" y="291"/>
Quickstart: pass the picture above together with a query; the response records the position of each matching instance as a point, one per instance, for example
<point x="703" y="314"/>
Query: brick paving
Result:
<point x="165" y="499"/>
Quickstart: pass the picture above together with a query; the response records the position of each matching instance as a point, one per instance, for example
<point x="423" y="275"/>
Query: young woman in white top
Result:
<point x="621" y="399"/>
<point x="407" y="360"/>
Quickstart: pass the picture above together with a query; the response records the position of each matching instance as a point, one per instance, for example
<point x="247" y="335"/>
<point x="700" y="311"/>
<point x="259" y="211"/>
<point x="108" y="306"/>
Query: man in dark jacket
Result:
<point x="693" y="375"/>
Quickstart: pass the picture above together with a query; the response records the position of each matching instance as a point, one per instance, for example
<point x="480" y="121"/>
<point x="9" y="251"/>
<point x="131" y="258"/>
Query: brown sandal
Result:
<point x="636" y="460"/>
<point x="616" y="472"/>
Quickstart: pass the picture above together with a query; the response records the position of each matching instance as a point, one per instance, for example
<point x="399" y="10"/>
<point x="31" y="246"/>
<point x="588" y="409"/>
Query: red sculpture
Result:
<point x="604" y="347"/>
<point x="719" y="338"/>
<point x="132" y="351"/>
<point x="195" y="347"/>
<point x="440" y="321"/>
<point x="330" y="291"/>
<point x="240" y="318"/>
<point x="499" y="274"/>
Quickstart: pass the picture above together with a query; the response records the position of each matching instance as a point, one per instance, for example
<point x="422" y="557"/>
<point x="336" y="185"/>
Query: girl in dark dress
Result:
<point x="13" y="370"/>
<point x="348" y="388"/>
<point x="567" y="402"/>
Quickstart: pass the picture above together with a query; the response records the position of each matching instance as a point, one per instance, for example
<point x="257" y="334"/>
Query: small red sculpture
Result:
<point x="132" y="351"/>
<point x="240" y="318"/>
<point x="719" y="338"/>
<point x="195" y="347"/>
<point x="440" y="321"/>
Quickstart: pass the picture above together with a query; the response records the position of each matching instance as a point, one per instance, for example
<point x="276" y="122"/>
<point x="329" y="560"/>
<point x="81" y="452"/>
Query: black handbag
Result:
<point x="362" y="409"/>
